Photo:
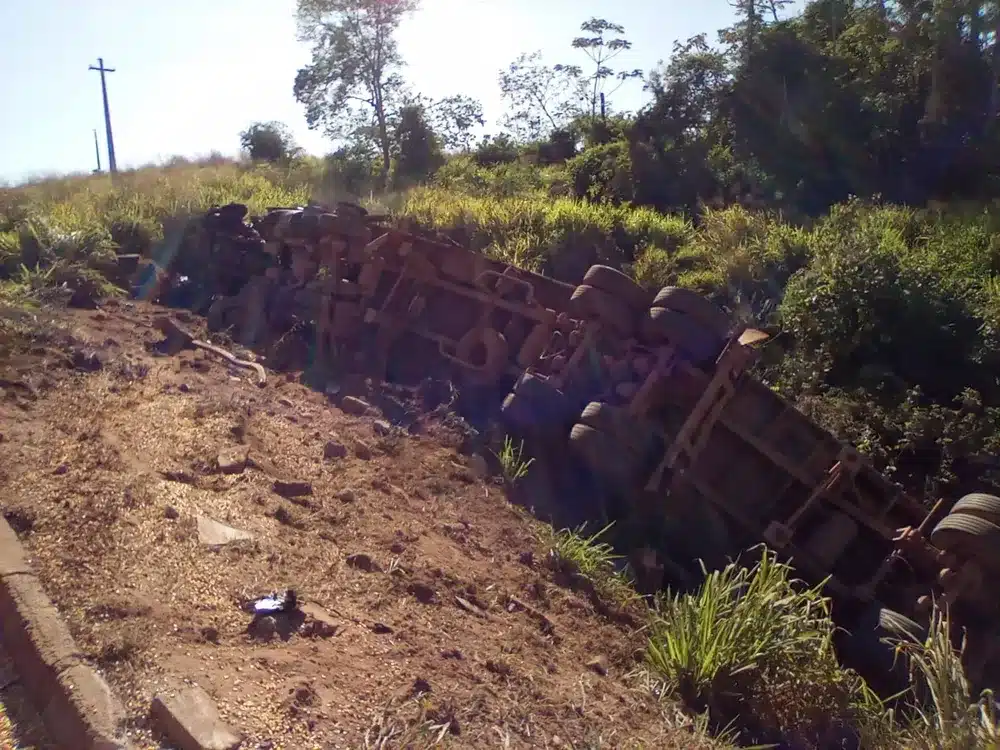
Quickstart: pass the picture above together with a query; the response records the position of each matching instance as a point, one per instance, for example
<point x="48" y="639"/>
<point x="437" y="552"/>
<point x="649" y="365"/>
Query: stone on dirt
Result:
<point x="363" y="451"/>
<point x="361" y="561"/>
<point x="319" y="623"/>
<point x="355" y="406"/>
<point x="381" y="427"/>
<point x="233" y="460"/>
<point x="215" y="533"/>
<point x="191" y="721"/>
<point x="289" y="489"/>
<point x="333" y="449"/>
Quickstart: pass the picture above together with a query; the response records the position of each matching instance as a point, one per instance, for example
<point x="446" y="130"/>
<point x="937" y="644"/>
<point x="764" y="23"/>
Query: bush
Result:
<point x="603" y="173"/>
<point x="754" y="646"/>
<point x="494" y="150"/>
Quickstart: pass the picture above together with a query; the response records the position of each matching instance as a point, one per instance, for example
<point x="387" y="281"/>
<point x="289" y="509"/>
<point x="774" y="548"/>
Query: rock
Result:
<point x="171" y="512"/>
<point x="381" y="628"/>
<point x="363" y="451"/>
<point x="364" y="562"/>
<point x="61" y="469"/>
<point x="319" y="623"/>
<point x="599" y="665"/>
<point x="264" y="628"/>
<point x="397" y="548"/>
<point x="333" y="449"/>
<point x="347" y="496"/>
<point x="478" y="466"/>
<point x="215" y="533"/>
<point x="210" y="634"/>
<point x="421" y="592"/>
<point x="381" y="427"/>
<point x="87" y="361"/>
<point x="191" y="721"/>
<point x="233" y="460"/>
<point x="290" y="489"/>
<point x="355" y="406"/>
<point x="285" y="401"/>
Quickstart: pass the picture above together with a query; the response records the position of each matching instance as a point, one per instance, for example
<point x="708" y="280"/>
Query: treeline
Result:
<point x="868" y="98"/>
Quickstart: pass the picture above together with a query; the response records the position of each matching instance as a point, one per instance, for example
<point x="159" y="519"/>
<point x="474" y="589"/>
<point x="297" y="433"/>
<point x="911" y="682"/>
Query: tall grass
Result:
<point x="751" y="645"/>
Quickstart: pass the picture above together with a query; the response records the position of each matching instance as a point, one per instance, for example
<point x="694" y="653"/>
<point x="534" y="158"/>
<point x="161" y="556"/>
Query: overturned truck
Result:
<point x="646" y="395"/>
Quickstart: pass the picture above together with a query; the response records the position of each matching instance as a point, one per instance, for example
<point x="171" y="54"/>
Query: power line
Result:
<point x="112" y="164"/>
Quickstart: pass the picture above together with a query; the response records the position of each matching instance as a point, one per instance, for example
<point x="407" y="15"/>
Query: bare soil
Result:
<point x="429" y="615"/>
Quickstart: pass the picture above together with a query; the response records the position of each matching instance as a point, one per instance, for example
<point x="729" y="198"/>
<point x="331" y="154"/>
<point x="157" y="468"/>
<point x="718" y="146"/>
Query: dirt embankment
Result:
<point x="159" y="495"/>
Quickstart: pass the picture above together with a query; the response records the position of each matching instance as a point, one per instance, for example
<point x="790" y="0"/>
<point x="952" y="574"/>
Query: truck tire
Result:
<point x="969" y="537"/>
<point x="632" y="432"/>
<point x="980" y="505"/>
<point x="494" y="352"/>
<point x="866" y="648"/>
<point x="606" y="458"/>
<point x="596" y="304"/>
<point x="693" y="340"/>
<point x="617" y="284"/>
<point x="695" y="306"/>
<point x="535" y="407"/>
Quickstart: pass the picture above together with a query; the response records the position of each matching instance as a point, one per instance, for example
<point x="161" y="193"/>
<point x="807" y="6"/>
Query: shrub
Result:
<point x="754" y="646"/>
<point x="603" y="173"/>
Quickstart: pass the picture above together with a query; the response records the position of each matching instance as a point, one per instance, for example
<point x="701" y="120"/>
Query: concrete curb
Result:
<point x="76" y="705"/>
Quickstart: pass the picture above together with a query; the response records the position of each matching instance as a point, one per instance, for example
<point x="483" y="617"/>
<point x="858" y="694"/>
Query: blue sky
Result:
<point x="191" y="74"/>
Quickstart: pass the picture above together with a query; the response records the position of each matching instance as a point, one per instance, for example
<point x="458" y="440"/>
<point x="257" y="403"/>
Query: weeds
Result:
<point x="755" y="633"/>
<point x="593" y="561"/>
<point x="428" y="727"/>
<point x="950" y="719"/>
<point x="512" y="461"/>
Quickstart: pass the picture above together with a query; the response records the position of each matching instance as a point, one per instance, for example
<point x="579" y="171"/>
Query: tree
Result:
<point x="418" y="152"/>
<point x="453" y="118"/>
<point x="542" y="98"/>
<point x="601" y="51"/>
<point x="268" y="141"/>
<point x="353" y="83"/>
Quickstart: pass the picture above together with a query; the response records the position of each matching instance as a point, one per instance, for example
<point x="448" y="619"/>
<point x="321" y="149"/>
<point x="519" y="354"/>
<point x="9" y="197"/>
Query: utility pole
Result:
<point x="112" y="164"/>
<point x="97" y="152"/>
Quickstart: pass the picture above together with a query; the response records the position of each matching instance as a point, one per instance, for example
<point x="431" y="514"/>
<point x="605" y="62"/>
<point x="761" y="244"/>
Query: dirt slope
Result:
<point x="430" y="616"/>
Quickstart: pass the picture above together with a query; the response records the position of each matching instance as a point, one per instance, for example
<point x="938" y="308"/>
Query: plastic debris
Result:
<point x="275" y="603"/>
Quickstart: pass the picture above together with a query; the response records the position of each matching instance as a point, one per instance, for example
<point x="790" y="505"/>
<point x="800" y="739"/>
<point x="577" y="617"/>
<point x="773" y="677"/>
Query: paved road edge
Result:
<point x="78" y="708"/>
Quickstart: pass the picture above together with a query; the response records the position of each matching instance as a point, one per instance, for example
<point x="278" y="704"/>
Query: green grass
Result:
<point x="591" y="560"/>
<point x="513" y="463"/>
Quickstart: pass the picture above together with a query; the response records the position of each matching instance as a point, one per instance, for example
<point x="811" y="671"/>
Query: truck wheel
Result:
<point x="695" y="306"/>
<point x="606" y="458"/>
<point x="592" y="303"/>
<point x="866" y="648"/>
<point x="535" y="407"/>
<point x="632" y="432"/>
<point x="617" y="284"/>
<point x="980" y="505"/>
<point x="485" y="349"/>
<point x="970" y="537"/>
<point x="693" y="340"/>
